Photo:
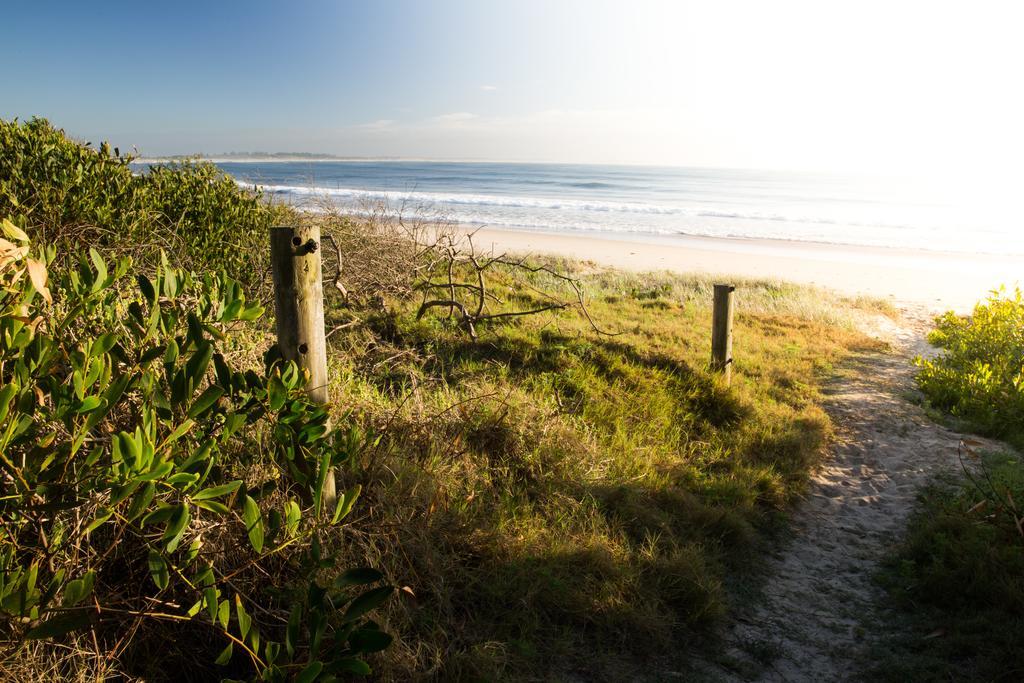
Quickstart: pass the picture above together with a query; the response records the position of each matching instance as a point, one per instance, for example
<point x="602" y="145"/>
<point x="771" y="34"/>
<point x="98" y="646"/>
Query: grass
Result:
<point x="957" y="582"/>
<point x="567" y="503"/>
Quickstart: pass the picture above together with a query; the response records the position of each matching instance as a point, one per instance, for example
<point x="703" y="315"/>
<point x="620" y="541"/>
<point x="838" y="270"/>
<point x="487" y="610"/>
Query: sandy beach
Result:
<point x="936" y="280"/>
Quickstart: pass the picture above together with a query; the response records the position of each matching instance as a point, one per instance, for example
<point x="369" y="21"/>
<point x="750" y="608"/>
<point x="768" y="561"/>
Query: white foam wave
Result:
<point x="595" y="215"/>
<point x="581" y="205"/>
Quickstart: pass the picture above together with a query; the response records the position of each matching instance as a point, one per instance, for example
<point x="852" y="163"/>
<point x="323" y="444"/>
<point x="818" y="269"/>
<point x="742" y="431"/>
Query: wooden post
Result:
<point x="299" y="305"/>
<point x="721" y="331"/>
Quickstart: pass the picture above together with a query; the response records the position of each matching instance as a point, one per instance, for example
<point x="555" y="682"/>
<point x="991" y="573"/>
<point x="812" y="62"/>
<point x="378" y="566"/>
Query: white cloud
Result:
<point x="454" y="118"/>
<point x="489" y="88"/>
<point x="379" y="124"/>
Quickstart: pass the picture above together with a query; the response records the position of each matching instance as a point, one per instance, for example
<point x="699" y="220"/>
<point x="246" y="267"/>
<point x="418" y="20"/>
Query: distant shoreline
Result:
<point x="269" y="159"/>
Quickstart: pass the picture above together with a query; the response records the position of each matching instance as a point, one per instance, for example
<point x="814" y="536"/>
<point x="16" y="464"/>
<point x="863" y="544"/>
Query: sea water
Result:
<point x="644" y="200"/>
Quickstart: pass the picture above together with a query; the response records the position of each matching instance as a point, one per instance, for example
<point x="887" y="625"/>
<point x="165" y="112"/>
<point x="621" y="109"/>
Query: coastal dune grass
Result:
<point x="564" y="502"/>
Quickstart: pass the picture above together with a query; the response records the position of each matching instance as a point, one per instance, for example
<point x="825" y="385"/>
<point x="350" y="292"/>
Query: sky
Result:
<point x="822" y="85"/>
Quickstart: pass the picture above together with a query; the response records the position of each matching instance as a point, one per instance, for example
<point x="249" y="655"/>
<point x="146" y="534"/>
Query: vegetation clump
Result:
<point x="957" y="580"/>
<point x="69" y="194"/>
<point x="980" y="377"/>
<point x="150" y="485"/>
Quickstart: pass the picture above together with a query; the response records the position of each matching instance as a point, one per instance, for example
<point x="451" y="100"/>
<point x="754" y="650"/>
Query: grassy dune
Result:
<point x="565" y="501"/>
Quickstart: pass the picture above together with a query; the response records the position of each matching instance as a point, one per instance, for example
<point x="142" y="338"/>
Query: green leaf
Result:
<point x="14" y="232"/>
<point x="103" y="344"/>
<point x="171" y="355"/>
<point x="170" y="283"/>
<point x="130" y="450"/>
<point x="158" y="472"/>
<point x="178" y="432"/>
<point x="244" y="620"/>
<point x="251" y="312"/>
<point x="291" y="636"/>
<point x="119" y="493"/>
<point x="101" y="268"/>
<point x="253" y="523"/>
<point x="176" y="527"/>
<point x="210" y="596"/>
<point x="182" y="478"/>
<point x="195" y="329"/>
<point x="158" y="570"/>
<point x="345" y="503"/>
<point x="309" y="674"/>
<point x="357" y="577"/>
<point x="161" y="514"/>
<point x="292" y="515"/>
<point x="218" y="491"/>
<point x="205" y="400"/>
<point x="213" y="506"/>
<point x="90" y="404"/>
<point x="316" y="624"/>
<point x="277" y="393"/>
<point x="146" y="287"/>
<point x="101" y="517"/>
<point x="197" y="364"/>
<point x="151" y="354"/>
<point x="351" y="665"/>
<point x="224" y="613"/>
<point x="225" y="655"/>
<point x="366" y="640"/>
<point x="222" y="370"/>
<point x="78" y="589"/>
<point x="231" y="311"/>
<point x="368" y="601"/>
<point x="59" y="626"/>
<point x="6" y="394"/>
<point x="271" y="650"/>
<point x="141" y="501"/>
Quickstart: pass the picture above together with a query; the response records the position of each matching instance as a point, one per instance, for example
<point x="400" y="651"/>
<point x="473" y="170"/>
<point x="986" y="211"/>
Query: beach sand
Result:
<point x="935" y="280"/>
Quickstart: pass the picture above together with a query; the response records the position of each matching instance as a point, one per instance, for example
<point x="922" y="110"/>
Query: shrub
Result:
<point x="125" y="435"/>
<point x="72" y="195"/>
<point x="980" y="377"/>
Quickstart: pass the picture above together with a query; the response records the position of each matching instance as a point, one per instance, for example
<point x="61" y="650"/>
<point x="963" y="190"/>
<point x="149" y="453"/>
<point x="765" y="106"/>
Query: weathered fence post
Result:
<point x="299" y="305"/>
<point x="721" y="331"/>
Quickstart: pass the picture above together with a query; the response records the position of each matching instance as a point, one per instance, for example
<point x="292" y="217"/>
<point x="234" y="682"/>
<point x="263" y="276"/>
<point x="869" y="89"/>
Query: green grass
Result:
<point x="957" y="582"/>
<point x="567" y="502"/>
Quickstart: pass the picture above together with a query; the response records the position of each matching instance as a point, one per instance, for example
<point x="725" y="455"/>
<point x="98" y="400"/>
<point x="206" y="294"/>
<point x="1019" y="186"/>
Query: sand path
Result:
<point x="808" y="624"/>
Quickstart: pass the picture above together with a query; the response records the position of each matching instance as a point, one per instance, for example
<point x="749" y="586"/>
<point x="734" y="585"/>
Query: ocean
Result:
<point x="662" y="201"/>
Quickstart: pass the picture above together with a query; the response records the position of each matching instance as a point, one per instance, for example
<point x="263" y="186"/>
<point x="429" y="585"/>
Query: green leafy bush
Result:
<point x="980" y="377"/>
<point x="125" y="435"/>
<point x="70" y="194"/>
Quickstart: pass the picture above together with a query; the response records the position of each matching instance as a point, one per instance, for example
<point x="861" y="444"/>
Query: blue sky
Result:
<point x="787" y="84"/>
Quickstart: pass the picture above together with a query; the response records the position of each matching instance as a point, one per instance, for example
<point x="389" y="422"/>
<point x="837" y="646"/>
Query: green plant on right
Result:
<point x="980" y="376"/>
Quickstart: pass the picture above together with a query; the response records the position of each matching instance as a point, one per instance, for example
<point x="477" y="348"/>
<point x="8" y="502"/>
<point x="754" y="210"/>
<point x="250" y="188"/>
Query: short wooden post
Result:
<point x="299" y="305"/>
<point x="721" y="331"/>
